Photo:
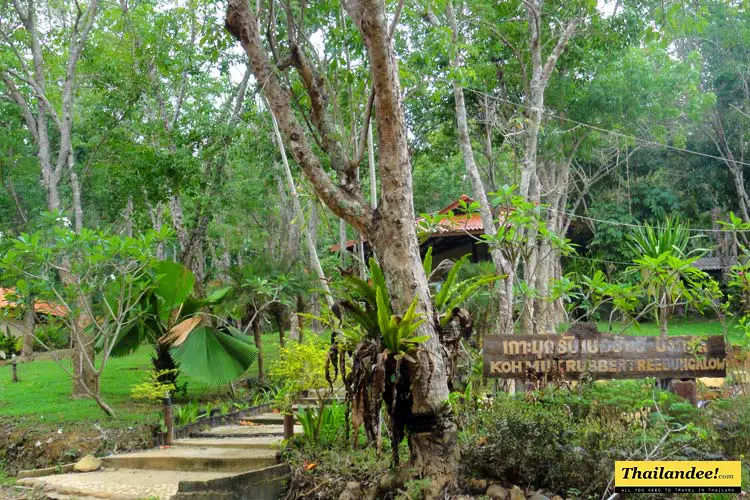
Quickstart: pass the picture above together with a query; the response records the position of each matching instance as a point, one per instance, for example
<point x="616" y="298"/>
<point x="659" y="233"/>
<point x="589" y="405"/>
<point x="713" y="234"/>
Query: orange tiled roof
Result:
<point x="460" y="223"/>
<point x="8" y="299"/>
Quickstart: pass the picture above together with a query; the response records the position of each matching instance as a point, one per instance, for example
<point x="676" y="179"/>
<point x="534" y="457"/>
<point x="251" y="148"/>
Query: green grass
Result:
<point x="696" y="327"/>
<point x="5" y="480"/>
<point x="42" y="395"/>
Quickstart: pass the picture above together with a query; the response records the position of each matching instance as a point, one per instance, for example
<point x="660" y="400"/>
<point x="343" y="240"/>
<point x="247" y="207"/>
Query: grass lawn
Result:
<point x="697" y="327"/>
<point x="42" y="395"/>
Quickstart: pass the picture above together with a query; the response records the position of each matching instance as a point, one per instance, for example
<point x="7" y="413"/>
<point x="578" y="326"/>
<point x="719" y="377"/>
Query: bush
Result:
<point x="51" y="335"/>
<point x="323" y="427"/>
<point x="10" y="345"/>
<point x="732" y="422"/>
<point x="566" y="441"/>
<point x="300" y="368"/>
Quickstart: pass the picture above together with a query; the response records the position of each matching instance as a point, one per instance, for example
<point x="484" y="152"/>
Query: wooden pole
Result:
<point x="168" y="420"/>
<point x="288" y="426"/>
<point x="14" y="369"/>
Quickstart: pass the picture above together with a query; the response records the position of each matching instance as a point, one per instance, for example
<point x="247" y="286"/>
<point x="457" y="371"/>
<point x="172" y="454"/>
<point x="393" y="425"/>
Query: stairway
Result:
<point x="214" y="456"/>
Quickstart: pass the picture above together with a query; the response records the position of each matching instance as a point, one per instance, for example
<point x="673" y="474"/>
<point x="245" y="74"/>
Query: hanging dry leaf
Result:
<point x="179" y="332"/>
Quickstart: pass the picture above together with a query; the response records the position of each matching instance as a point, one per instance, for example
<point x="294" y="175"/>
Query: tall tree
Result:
<point x="390" y="229"/>
<point x="46" y="97"/>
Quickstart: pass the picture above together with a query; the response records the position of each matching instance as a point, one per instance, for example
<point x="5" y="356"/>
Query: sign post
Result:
<point x="535" y="357"/>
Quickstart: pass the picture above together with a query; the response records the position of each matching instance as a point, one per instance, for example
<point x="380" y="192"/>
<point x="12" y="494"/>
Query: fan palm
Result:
<point x="665" y="265"/>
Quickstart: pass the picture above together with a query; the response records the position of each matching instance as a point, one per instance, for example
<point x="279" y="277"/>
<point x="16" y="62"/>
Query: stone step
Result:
<point x="248" y="443"/>
<point x="119" y="484"/>
<point x="227" y="431"/>
<point x="268" y="419"/>
<point x="182" y="458"/>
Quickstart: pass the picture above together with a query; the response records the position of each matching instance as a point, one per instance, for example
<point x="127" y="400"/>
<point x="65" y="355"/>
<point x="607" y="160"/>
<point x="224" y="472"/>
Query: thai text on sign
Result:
<point x="603" y="356"/>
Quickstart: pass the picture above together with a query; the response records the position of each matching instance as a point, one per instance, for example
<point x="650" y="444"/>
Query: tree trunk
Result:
<point x="504" y="295"/>
<point x="85" y="379"/>
<point x="433" y="454"/>
<point x="390" y="229"/>
<point x="663" y="315"/>
<point x="29" y="320"/>
<point x="258" y="337"/>
<point x="311" y="250"/>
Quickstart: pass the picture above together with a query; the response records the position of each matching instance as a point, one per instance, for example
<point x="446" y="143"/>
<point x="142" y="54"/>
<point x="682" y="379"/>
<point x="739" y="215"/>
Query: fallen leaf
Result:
<point x="308" y="466"/>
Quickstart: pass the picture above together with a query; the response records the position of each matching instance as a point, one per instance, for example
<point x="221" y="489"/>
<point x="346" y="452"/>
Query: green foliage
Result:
<point x="186" y="413"/>
<point x="593" y="293"/>
<point x="323" y="427"/>
<point x="153" y="389"/>
<point x="301" y="367"/>
<point x="51" y="334"/>
<point x="671" y="237"/>
<point x="10" y="345"/>
<point x="665" y="271"/>
<point x="561" y="440"/>
<point x="376" y="319"/>
<point x="454" y="292"/>
<point x="214" y="357"/>
<point x="170" y="315"/>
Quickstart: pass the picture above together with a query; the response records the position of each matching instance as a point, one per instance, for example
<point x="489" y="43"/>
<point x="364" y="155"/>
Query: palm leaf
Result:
<point x="427" y="263"/>
<point x="448" y="283"/>
<point x="466" y="289"/>
<point x="378" y="278"/>
<point x="213" y="357"/>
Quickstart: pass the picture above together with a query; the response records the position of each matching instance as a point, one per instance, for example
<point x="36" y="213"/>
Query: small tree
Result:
<point x="106" y="278"/>
<point x="186" y="331"/>
<point x="665" y="269"/>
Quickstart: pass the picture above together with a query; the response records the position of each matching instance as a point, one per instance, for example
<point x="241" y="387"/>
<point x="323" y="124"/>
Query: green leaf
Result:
<point x="442" y="296"/>
<point x="217" y="296"/>
<point x="174" y="286"/>
<point x="427" y="263"/>
<point x="213" y="357"/>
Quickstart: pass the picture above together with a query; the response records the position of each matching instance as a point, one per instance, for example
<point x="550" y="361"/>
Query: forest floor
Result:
<point x="40" y="425"/>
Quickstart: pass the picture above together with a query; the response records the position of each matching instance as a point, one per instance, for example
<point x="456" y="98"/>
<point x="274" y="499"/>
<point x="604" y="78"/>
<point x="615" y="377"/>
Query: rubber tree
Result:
<point x="389" y="229"/>
<point x="48" y="108"/>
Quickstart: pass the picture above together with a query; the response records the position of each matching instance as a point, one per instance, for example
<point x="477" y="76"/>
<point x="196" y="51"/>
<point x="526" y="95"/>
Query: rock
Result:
<point x="353" y="491"/>
<point x="89" y="463"/>
<point x="477" y="486"/>
<point x="538" y="495"/>
<point x="497" y="492"/>
<point x="371" y="493"/>
<point x="386" y="482"/>
<point x="556" y="497"/>
<point x="516" y="493"/>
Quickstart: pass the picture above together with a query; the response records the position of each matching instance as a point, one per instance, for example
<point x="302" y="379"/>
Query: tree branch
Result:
<point x="348" y="204"/>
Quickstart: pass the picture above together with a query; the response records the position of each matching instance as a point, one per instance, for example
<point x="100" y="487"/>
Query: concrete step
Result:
<point x="248" y="443"/>
<point x="268" y="419"/>
<point x="120" y="484"/>
<point x="227" y="431"/>
<point x="182" y="458"/>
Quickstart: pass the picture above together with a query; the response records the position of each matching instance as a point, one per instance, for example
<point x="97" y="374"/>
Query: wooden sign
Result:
<point x="603" y="356"/>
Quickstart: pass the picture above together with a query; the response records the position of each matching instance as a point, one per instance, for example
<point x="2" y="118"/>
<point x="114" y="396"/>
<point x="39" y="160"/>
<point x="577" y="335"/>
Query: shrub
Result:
<point x="301" y="367"/>
<point x="9" y="345"/>
<point x="324" y="426"/>
<point x="51" y="335"/>
<point x="561" y="440"/>
<point x="154" y="389"/>
<point x="732" y="423"/>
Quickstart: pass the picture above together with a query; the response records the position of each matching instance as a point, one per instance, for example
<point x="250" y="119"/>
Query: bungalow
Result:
<point x="12" y="320"/>
<point x="453" y="232"/>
